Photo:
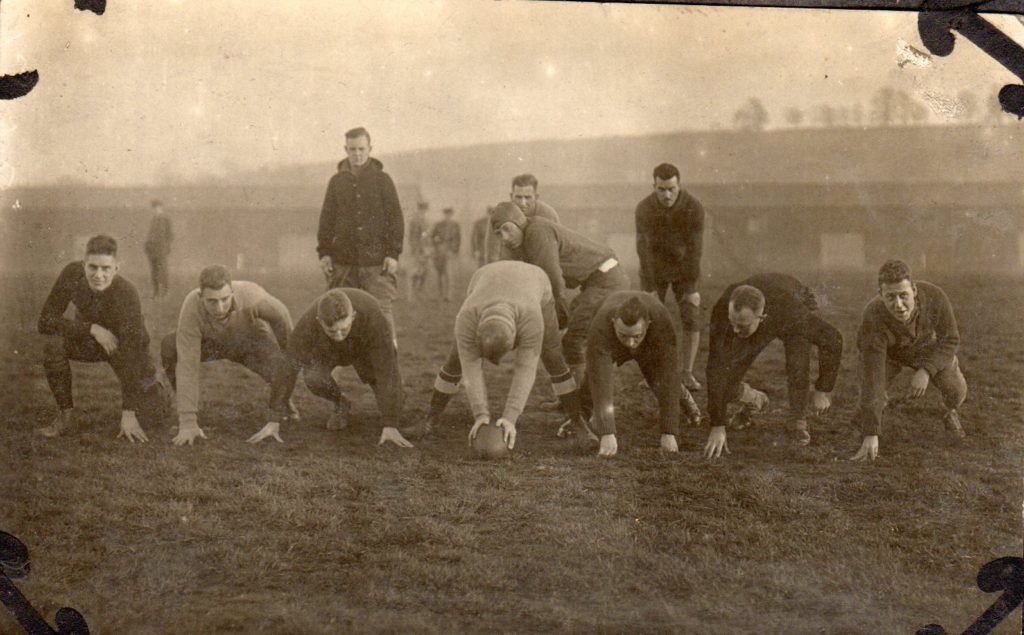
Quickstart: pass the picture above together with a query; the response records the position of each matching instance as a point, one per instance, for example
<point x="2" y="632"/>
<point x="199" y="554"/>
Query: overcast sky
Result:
<point x="193" y="87"/>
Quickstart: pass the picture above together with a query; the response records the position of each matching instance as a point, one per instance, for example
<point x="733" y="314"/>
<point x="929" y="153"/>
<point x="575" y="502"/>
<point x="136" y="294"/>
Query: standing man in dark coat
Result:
<point x="669" y="241"/>
<point x="158" y="248"/>
<point x="748" y="317"/>
<point x="361" y="226"/>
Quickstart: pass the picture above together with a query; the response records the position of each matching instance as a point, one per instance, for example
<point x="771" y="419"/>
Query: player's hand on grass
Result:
<point x="868" y="449"/>
<point x="130" y="428"/>
<point x="272" y="430"/>
<point x="716" y="444"/>
<point x="390" y="265"/>
<point x="392" y="435"/>
<point x="188" y="431"/>
<point x="820" y="402"/>
<point x="481" y="420"/>
<point x="919" y="383"/>
<point x="609" y="446"/>
<point x="104" y="338"/>
<point x="327" y="266"/>
<point x="669" y="443"/>
<point x="508" y="430"/>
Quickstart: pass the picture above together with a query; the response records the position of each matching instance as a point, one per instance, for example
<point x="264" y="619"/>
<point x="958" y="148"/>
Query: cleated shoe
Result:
<point x="802" y="432"/>
<point x="953" y="425"/>
<point x="60" y="424"/>
<point x="419" y="430"/>
<point x="293" y="412"/>
<point x="339" y="420"/>
<point x="689" y="407"/>
<point x="691" y="382"/>
<point x="742" y="419"/>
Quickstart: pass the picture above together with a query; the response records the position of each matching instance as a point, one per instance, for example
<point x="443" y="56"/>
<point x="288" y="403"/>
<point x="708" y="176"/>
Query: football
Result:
<point x="489" y="443"/>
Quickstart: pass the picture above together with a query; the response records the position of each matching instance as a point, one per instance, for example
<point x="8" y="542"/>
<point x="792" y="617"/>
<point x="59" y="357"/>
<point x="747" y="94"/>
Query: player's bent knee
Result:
<point x="54" y="350"/>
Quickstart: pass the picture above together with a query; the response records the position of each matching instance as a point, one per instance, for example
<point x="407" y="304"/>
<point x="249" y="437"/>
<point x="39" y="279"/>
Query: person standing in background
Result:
<point x="419" y="246"/>
<point x="669" y="241"/>
<point x="481" y="228"/>
<point x="158" y="248"/>
<point x="361" y="228"/>
<point x="446" y="237"/>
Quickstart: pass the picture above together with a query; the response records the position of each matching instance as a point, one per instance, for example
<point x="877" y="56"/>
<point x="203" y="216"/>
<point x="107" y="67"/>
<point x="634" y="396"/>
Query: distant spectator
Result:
<point x="481" y="229"/>
<point x="419" y="245"/>
<point x="158" y="248"/>
<point x="446" y="237"/>
<point x="909" y="324"/>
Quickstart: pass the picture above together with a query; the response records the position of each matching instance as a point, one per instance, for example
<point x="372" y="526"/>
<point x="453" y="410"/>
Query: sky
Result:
<point x="171" y="89"/>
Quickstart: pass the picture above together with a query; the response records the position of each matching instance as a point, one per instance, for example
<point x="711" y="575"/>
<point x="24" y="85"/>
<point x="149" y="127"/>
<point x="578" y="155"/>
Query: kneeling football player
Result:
<point x="222" y="319"/>
<point x="509" y="306"/>
<point x="910" y="323"/>
<point x="748" y="317"/>
<point x="343" y="327"/>
<point x="635" y="325"/>
<point x="107" y="327"/>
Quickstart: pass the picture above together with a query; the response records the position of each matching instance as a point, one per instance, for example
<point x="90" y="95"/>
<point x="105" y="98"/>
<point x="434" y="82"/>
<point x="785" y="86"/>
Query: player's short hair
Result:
<point x="632" y="311"/>
<point x="524" y="180"/>
<point x="101" y="245"/>
<point x="494" y="338"/>
<point x="747" y="297"/>
<point x="666" y="171"/>
<point x="214" y="277"/>
<point x="893" y="272"/>
<point x="507" y="211"/>
<point x="333" y="306"/>
<point x="355" y="133"/>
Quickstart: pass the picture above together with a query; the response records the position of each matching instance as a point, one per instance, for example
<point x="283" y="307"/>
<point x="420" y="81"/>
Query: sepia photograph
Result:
<point x="467" y="316"/>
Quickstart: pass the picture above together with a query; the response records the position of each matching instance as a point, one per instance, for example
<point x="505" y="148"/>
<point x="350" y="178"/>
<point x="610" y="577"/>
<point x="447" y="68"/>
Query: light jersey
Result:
<point x="253" y="309"/>
<point x="513" y="292"/>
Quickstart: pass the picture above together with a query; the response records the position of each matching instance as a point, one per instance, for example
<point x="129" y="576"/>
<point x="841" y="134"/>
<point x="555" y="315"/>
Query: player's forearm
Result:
<point x="522" y="382"/>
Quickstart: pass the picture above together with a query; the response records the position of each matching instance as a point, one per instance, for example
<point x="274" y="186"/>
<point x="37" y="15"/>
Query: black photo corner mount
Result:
<point x="1002" y="574"/>
<point x="935" y="25"/>
<point x="14" y="565"/>
<point x="21" y="84"/>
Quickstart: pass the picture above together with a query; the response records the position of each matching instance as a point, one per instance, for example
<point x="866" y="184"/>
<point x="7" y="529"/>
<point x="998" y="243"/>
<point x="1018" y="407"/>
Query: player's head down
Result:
<point x="897" y="289"/>
<point x="495" y="337"/>
<point x="100" y="262"/>
<point x="508" y="222"/>
<point x="746" y="310"/>
<point x="335" y="314"/>
<point x="631" y="321"/>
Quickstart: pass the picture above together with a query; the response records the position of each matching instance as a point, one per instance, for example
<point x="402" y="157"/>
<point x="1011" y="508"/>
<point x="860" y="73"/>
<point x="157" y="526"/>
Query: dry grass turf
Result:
<point x="329" y="533"/>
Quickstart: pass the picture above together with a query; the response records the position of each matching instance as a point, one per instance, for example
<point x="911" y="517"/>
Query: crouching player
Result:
<point x="107" y="327"/>
<point x="635" y="325"/>
<point x="343" y="327"/>
<point x="222" y="319"/>
<point x="909" y="324"/>
<point x="509" y="306"/>
<point x="746" y="319"/>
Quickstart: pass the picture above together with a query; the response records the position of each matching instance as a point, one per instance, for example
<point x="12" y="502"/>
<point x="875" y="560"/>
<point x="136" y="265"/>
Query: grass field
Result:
<point x="329" y="533"/>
